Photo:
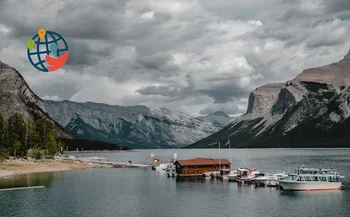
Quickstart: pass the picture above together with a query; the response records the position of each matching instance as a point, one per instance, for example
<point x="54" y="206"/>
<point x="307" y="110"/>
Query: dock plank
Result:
<point x="22" y="188"/>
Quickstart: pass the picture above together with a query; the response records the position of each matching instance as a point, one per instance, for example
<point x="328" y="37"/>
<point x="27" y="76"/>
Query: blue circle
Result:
<point x="42" y="48"/>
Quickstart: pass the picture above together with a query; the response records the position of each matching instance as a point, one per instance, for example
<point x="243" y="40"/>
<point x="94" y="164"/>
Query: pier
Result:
<point x="104" y="162"/>
<point x="22" y="188"/>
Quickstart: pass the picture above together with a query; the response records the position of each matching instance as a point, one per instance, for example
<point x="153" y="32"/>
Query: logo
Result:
<point x="47" y="51"/>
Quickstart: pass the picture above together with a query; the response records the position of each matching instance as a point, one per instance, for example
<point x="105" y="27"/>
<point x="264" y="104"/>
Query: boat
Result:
<point x="214" y="174"/>
<point x="233" y="175"/>
<point x="246" y="175"/>
<point x="159" y="165"/>
<point x="270" y="179"/>
<point x="310" y="179"/>
<point x="224" y="174"/>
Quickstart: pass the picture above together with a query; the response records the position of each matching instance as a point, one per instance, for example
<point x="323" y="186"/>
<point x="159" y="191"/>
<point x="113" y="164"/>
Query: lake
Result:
<point x="143" y="192"/>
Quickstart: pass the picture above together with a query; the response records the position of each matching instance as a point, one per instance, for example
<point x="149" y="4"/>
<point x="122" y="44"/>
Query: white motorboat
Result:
<point x="233" y="175"/>
<point x="225" y="173"/>
<point x="245" y="174"/>
<point x="310" y="179"/>
<point x="160" y="166"/>
<point x="270" y="179"/>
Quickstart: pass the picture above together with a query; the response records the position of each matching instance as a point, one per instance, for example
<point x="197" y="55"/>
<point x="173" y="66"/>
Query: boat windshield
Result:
<point x="292" y="177"/>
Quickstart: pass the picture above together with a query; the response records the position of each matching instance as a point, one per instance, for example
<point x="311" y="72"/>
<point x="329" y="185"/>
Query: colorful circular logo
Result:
<point x="47" y="51"/>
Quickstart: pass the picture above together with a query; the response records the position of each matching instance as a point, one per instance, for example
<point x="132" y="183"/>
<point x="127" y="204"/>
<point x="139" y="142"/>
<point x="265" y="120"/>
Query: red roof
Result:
<point x="203" y="161"/>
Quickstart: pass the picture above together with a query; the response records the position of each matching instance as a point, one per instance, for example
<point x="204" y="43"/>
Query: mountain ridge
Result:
<point x="134" y="126"/>
<point x="295" y="113"/>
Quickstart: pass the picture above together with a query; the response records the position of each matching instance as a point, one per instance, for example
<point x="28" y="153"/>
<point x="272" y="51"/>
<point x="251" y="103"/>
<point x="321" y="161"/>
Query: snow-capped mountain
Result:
<point x="312" y="110"/>
<point x="133" y="126"/>
<point x="17" y="97"/>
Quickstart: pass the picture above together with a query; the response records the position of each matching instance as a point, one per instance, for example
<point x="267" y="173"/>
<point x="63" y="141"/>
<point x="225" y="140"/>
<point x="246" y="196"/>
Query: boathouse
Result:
<point x="199" y="166"/>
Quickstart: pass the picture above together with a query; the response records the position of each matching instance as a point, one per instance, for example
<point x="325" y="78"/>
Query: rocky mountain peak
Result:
<point x="347" y="56"/>
<point x="336" y="74"/>
<point x="4" y="66"/>
<point x="261" y="99"/>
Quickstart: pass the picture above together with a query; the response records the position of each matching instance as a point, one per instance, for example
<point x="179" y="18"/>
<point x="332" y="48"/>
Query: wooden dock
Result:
<point x="115" y="164"/>
<point x="22" y="188"/>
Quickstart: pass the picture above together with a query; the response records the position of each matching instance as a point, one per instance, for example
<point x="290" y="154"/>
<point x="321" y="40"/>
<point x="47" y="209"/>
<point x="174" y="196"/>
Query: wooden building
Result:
<point x="199" y="166"/>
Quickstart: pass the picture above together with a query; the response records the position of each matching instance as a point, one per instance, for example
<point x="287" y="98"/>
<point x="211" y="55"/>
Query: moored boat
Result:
<point x="245" y="174"/>
<point x="233" y="175"/>
<point x="309" y="179"/>
<point x="270" y="179"/>
<point x="158" y="164"/>
<point x="224" y="173"/>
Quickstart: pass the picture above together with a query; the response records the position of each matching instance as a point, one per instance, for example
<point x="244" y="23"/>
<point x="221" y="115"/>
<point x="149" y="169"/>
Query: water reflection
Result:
<point x="27" y="180"/>
<point x="190" y="179"/>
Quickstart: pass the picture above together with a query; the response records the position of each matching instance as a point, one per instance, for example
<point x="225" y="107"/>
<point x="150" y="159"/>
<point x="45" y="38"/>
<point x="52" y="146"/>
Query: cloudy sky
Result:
<point x="195" y="56"/>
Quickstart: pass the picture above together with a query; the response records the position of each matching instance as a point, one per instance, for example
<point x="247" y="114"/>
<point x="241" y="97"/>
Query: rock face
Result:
<point x="17" y="97"/>
<point x="262" y="98"/>
<point x="312" y="110"/>
<point x="134" y="126"/>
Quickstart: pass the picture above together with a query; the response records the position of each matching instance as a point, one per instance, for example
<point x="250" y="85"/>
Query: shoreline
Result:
<point x="13" y="167"/>
<point x="10" y="168"/>
<point x="101" y="151"/>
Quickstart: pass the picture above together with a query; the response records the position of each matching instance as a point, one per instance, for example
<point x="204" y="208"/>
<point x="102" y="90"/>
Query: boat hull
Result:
<point x="232" y="178"/>
<point x="309" y="186"/>
<point x="223" y="178"/>
<point x="261" y="181"/>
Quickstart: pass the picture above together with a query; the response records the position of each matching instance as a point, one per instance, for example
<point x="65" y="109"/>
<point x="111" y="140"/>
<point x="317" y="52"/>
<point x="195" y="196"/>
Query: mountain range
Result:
<point x="134" y="126"/>
<point x="311" y="110"/>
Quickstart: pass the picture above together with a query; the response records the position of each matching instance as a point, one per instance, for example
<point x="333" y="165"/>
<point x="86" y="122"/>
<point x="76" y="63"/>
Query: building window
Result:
<point x="223" y="167"/>
<point x="186" y="168"/>
<point x="195" y="167"/>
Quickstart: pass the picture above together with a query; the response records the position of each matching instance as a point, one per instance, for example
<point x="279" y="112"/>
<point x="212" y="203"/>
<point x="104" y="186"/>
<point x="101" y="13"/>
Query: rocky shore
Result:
<point x="12" y="167"/>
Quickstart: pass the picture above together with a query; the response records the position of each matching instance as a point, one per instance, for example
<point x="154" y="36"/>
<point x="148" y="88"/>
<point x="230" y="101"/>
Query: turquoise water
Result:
<point x="143" y="192"/>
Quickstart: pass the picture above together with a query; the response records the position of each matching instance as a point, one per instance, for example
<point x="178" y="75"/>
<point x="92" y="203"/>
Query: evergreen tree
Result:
<point x="43" y="127"/>
<point x="32" y="137"/>
<point x="16" y="132"/>
<point x="6" y="139"/>
<point x="18" y="136"/>
<point x="3" y="139"/>
<point x="2" y="131"/>
<point x="51" y="144"/>
<point x="17" y="146"/>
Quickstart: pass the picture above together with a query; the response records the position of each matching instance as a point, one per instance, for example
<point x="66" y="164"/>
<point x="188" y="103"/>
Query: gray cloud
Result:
<point x="335" y="6"/>
<point x="160" y="90"/>
<point x="194" y="56"/>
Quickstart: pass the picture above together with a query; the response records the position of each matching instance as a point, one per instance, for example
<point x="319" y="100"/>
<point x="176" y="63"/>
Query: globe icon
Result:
<point x="37" y="55"/>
